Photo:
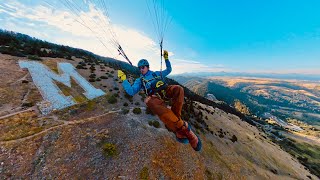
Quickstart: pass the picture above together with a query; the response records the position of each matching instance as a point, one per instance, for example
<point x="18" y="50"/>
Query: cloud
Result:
<point x="186" y="61"/>
<point x="87" y="29"/>
<point x="182" y="65"/>
<point x="91" y="24"/>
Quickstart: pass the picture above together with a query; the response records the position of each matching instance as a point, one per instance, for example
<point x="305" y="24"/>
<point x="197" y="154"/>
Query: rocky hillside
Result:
<point x="116" y="137"/>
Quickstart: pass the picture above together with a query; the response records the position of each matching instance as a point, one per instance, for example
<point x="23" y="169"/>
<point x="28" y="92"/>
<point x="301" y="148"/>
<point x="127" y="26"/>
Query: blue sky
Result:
<point x="237" y="36"/>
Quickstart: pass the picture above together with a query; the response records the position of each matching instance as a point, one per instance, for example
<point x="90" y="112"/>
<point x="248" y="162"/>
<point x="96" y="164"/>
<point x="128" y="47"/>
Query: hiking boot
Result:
<point x="193" y="139"/>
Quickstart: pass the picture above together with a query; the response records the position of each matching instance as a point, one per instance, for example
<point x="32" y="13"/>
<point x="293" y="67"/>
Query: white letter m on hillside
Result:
<point x="53" y="97"/>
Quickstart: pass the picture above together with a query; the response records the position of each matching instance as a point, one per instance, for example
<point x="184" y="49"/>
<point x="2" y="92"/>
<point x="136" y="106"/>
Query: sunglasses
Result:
<point x="142" y="67"/>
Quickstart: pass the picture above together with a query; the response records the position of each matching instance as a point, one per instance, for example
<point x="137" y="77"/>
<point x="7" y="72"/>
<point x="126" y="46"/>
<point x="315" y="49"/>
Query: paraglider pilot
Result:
<point x="157" y="90"/>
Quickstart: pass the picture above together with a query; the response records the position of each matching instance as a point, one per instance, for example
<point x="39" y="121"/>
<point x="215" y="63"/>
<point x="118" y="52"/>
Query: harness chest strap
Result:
<point x="160" y="84"/>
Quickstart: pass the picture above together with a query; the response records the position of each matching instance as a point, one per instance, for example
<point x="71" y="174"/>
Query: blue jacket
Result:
<point x="138" y="86"/>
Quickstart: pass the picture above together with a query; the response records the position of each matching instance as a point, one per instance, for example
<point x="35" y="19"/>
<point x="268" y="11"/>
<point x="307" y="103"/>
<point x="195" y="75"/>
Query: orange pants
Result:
<point x="170" y="117"/>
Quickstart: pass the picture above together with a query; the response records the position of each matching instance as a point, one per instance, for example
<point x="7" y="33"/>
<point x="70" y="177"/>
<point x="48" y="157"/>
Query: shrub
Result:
<point x="196" y="125"/>
<point x="116" y="88"/>
<point x="126" y="95"/>
<point x="136" y="111"/>
<point x="92" y="75"/>
<point x="125" y="104"/>
<point x="92" y="67"/>
<point x="79" y="66"/>
<point x="104" y="77"/>
<point x="274" y="171"/>
<point x="34" y="57"/>
<point x="156" y="124"/>
<point x="9" y="51"/>
<point x="112" y="99"/>
<point x="125" y="111"/>
<point x="137" y="103"/>
<point x="109" y="149"/>
<point x="92" y="80"/>
<point x="27" y="104"/>
<point x="234" y="138"/>
<point x="98" y="79"/>
<point x="302" y="159"/>
<point x="221" y="135"/>
<point x="112" y="72"/>
<point x="116" y="95"/>
<point x="18" y="54"/>
<point x="109" y="75"/>
<point x="150" y="123"/>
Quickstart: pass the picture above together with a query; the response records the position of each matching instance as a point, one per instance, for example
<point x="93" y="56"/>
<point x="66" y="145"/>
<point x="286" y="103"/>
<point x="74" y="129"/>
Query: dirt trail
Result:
<point x="22" y="78"/>
<point x="15" y="113"/>
<point x="65" y="123"/>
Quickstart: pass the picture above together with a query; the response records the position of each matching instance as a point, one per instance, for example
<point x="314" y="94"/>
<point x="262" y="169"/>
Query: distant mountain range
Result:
<point x="309" y="77"/>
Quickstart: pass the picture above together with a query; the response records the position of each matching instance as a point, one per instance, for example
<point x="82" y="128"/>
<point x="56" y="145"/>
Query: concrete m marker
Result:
<point x="53" y="97"/>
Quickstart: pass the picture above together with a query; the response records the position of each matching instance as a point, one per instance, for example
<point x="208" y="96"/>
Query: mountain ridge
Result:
<point x="284" y="76"/>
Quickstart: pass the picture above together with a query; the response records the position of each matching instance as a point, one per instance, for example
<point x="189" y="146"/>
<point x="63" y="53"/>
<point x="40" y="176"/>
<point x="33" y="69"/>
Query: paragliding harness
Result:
<point x="158" y="87"/>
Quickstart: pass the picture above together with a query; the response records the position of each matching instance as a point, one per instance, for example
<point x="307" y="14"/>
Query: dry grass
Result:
<point x="75" y="91"/>
<point x="23" y="125"/>
<point x="52" y="65"/>
<point x="173" y="161"/>
<point x="211" y="152"/>
<point x="233" y="81"/>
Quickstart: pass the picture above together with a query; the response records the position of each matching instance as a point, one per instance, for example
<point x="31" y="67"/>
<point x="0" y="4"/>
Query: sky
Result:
<point x="202" y="36"/>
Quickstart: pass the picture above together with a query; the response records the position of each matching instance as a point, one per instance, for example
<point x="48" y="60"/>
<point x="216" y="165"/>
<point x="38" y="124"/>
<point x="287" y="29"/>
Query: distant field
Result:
<point x="284" y="98"/>
<point x="289" y="98"/>
<point x="308" y="153"/>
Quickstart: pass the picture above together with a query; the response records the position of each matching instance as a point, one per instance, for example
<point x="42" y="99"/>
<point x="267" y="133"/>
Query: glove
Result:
<point x="165" y="55"/>
<point x="122" y="75"/>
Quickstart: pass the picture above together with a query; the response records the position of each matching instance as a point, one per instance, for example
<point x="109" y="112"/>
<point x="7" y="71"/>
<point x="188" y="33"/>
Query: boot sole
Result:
<point x="182" y="140"/>
<point x="199" y="145"/>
